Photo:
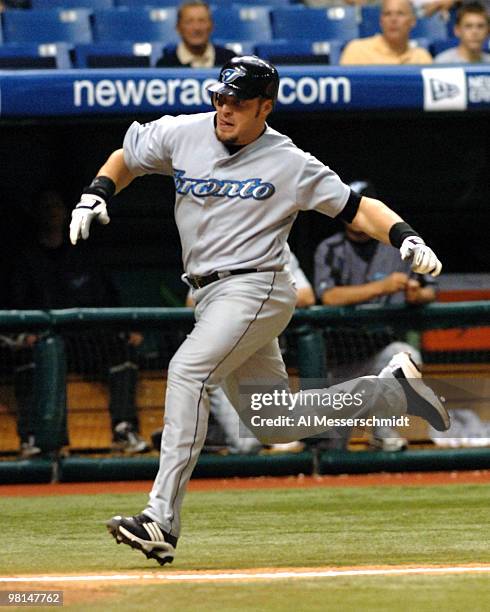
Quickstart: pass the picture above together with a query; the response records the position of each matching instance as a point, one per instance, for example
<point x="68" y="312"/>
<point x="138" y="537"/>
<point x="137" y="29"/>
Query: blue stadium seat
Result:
<point x="269" y="3"/>
<point x="242" y="23"/>
<point x="25" y="56"/>
<point x="143" y="25"/>
<point x="438" y="46"/>
<point x="451" y="22"/>
<point x="433" y="28"/>
<point x="239" y="47"/>
<point x="369" y="25"/>
<point x="117" y="55"/>
<point x="43" y="26"/>
<point x="212" y="3"/>
<point x="147" y="3"/>
<point x="299" y="22"/>
<point x="300" y="51"/>
<point x="68" y="4"/>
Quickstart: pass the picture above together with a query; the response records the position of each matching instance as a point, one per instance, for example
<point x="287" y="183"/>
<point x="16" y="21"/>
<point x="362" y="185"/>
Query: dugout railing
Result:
<point x="307" y="328"/>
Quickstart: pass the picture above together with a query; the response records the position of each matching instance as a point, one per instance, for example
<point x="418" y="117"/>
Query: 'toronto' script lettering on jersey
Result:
<point x="202" y="188"/>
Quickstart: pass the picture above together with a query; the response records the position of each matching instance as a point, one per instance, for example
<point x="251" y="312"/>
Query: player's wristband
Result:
<point x="399" y="232"/>
<point x="101" y="186"/>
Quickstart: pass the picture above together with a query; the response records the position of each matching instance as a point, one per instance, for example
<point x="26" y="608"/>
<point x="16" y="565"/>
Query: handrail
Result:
<point x="24" y="319"/>
<point x="429" y="316"/>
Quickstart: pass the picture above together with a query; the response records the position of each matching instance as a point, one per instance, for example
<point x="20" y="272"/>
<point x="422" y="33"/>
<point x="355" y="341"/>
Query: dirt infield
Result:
<point x="264" y="482"/>
<point x="251" y="574"/>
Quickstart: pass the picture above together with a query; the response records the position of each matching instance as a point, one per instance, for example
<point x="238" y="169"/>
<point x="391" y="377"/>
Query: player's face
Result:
<point x="195" y="26"/>
<point x="397" y="19"/>
<point x="472" y="31"/>
<point x="240" y="121"/>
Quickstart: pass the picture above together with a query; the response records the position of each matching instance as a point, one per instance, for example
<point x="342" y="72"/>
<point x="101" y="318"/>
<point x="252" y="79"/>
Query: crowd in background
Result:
<point x="393" y="44"/>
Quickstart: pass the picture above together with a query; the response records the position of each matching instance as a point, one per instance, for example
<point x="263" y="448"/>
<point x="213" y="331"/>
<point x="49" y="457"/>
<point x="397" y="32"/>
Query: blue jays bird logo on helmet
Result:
<point x="247" y="77"/>
<point x="232" y="74"/>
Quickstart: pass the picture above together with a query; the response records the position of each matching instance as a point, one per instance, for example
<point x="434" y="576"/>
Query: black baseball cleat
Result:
<point x="143" y="533"/>
<point x="421" y="400"/>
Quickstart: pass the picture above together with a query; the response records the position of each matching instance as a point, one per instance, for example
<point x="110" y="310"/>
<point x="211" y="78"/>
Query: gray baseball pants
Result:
<point x="238" y="320"/>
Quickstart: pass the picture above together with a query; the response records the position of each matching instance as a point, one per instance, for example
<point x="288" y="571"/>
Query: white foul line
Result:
<point x="253" y="575"/>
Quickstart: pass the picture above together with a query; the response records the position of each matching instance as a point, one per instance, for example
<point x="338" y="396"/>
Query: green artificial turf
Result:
<point x="269" y="528"/>
<point x="359" y="594"/>
<point x="258" y="528"/>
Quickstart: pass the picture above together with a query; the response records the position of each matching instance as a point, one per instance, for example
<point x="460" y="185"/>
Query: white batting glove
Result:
<point x="90" y="207"/>
<point x="424" y="260"/>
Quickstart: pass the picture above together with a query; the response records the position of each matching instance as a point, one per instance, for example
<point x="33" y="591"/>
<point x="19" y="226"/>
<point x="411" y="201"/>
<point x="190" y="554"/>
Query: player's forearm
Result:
<point x="380" y="222"/>
<point x="375" y="219"/>
<point x="116" y="169"/>
<point x="352" y="294"/>
<point x="305" y="297"/>
<point x="111" y="178"/>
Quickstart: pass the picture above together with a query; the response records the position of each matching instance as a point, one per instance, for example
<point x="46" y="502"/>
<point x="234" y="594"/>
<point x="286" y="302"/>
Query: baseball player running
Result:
<point x="239" y="186"/>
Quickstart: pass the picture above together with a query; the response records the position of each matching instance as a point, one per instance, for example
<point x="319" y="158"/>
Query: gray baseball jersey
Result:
<point x="232" y="211"/>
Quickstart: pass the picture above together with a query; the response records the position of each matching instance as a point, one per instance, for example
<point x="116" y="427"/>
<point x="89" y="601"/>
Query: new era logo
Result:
<point x="442" y="90"/>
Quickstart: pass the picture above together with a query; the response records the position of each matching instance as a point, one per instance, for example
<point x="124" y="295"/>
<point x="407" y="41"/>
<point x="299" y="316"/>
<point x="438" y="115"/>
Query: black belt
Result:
<point x="198" y="282"/>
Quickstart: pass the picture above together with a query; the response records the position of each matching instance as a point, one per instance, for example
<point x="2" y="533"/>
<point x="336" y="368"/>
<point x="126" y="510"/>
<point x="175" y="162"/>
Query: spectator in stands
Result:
<point x="392" y="46"/>
<point x="194" y="25"/>
<point x="472" y="29"/>
<point x="48" y="274"/>
<point x="351" y="268"/>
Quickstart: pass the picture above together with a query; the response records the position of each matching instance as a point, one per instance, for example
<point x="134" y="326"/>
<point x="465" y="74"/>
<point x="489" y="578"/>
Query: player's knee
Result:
<point x="180" y="371"/>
